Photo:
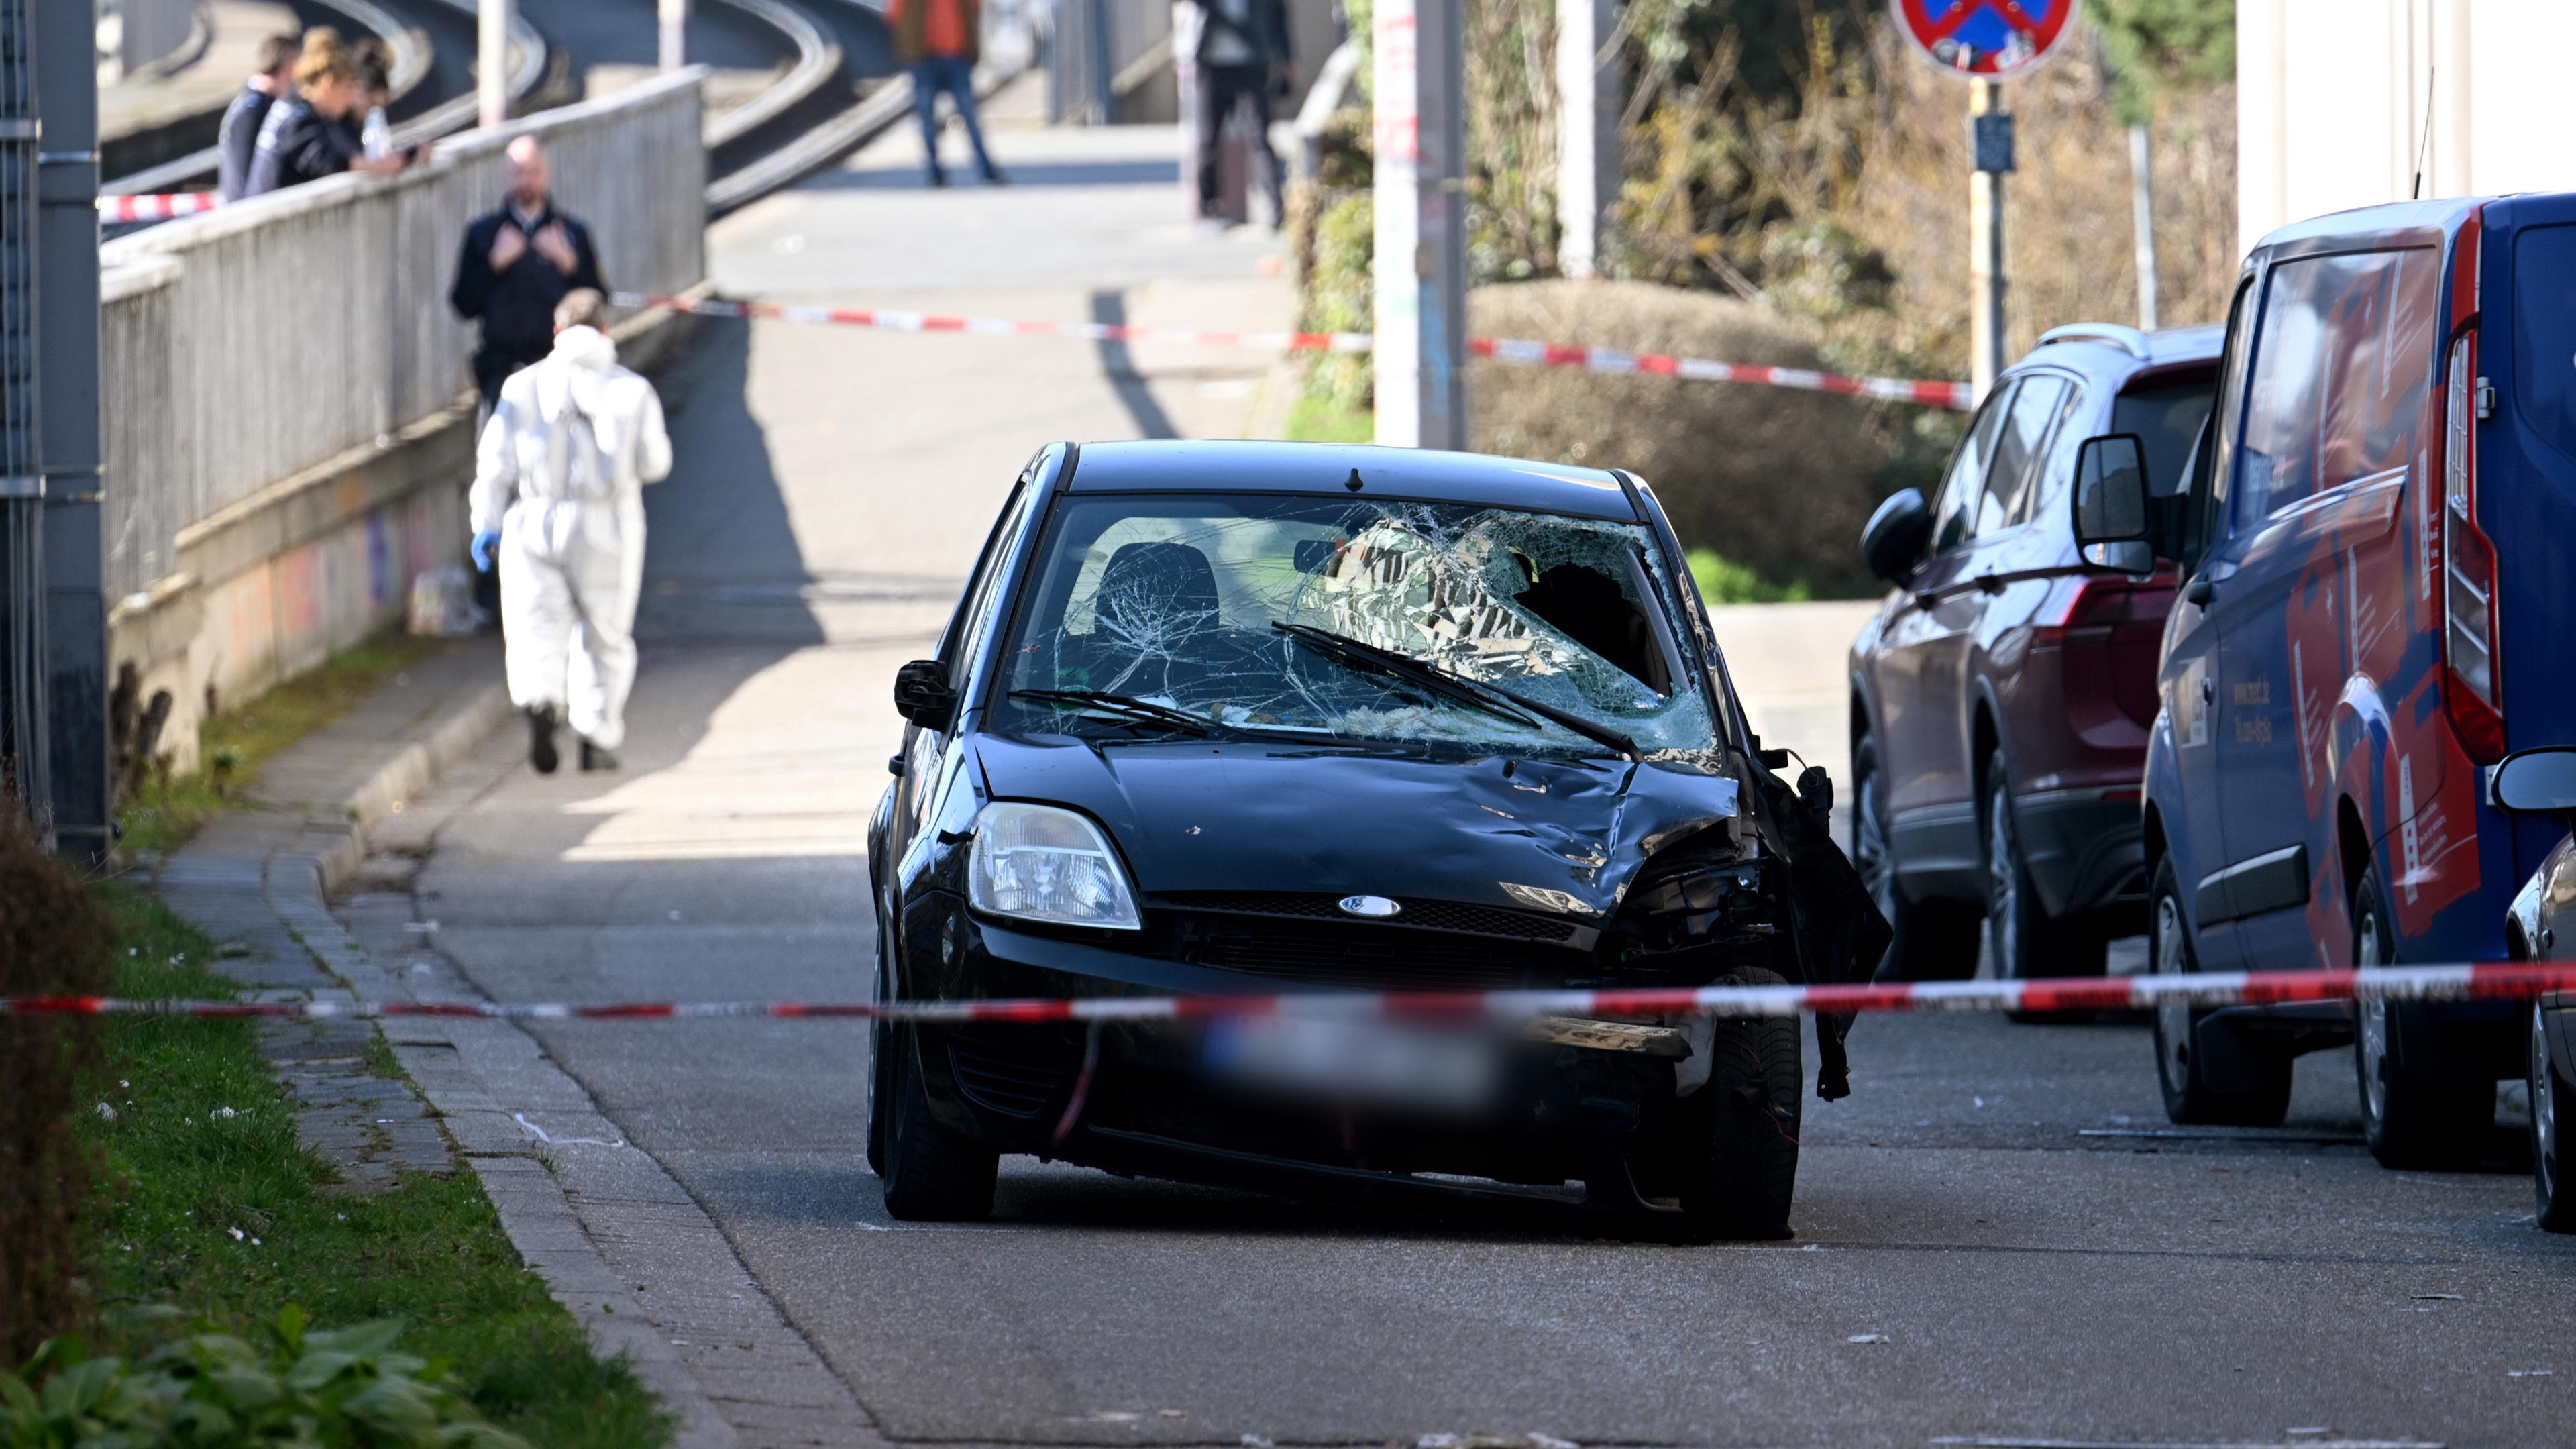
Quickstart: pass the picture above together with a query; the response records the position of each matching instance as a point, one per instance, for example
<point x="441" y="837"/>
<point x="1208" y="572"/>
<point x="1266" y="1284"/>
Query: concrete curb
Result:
<point x="413" y="769"/>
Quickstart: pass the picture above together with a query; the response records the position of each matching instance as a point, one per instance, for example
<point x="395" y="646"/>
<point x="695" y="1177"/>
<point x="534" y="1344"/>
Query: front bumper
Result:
<point x="1140" y="1098"/>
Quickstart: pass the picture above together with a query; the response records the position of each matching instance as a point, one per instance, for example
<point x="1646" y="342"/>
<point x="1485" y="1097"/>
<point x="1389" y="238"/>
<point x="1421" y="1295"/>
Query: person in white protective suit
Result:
<point x="558" y="493"/>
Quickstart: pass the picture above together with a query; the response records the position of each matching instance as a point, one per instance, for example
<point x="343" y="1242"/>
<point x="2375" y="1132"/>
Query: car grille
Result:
<point x="1013" y="1083"/>
<point x="1418" y="915"/>
<point x="1355" y="955"/>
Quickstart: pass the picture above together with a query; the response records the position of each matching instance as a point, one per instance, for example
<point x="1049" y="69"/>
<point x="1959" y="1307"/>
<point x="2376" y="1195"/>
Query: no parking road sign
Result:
<point x="1985" y="39"/>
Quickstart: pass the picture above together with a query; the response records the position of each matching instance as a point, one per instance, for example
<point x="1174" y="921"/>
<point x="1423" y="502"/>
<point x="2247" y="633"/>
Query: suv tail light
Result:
<point x="2111" y="630"/>
<point x="2465" y="560"/>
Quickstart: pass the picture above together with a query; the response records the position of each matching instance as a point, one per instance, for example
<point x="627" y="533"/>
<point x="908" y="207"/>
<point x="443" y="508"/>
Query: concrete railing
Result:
<point x="285" y="374"/>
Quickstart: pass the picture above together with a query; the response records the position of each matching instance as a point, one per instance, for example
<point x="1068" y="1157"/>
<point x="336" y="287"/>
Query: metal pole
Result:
<point x="1990" y="129"/>
<point x="675" y="33"/>
<point x="1420" y="266"/>
<point x="492" y="61"/>
<point x="2142" y="211"/>
<point x="1588" y="100"/>
<point x="55" y="639"/>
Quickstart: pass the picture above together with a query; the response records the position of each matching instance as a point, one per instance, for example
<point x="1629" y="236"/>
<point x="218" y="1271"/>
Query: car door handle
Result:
<point x="2200" y="591"/>
<point x="1989" y="582"/>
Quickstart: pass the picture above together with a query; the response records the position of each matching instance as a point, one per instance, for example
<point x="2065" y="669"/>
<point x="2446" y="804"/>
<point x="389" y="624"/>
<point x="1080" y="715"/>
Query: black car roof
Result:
<point x="1190" y="466"/>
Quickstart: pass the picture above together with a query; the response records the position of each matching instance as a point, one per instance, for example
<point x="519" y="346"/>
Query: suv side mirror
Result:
<point x="922" y="695"/>
<point x="2111" y="518"/>
<point x="2539" y="781"/>
<point x="1892" y="542"/>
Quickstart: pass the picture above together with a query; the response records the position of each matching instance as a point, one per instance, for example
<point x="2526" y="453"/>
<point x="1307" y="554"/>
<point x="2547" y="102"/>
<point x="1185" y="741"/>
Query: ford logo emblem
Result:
<point x="1376" y="908"/>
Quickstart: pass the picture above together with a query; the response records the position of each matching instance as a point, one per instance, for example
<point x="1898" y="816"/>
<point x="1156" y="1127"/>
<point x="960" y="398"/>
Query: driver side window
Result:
<point x="1955" y="510"/>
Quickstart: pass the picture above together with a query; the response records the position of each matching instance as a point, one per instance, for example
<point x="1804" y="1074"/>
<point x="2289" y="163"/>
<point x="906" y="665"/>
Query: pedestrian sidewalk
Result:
<point x="597" y="1219"/>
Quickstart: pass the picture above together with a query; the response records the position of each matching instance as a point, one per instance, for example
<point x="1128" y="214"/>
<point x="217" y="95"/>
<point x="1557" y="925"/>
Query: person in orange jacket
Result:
<point x="938" y="41"/>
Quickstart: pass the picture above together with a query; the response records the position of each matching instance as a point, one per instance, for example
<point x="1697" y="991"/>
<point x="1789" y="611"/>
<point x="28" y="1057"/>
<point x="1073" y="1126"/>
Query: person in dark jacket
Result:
<point x="312" y="133"/>
<point x="238" y="137"/>
<point x="939" y="41"/>
<point x="516" y="265"/>
<point x="1242" y="50"/>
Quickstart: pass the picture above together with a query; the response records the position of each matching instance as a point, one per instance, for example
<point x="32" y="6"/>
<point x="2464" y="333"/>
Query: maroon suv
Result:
<point x="2002" y="694"/>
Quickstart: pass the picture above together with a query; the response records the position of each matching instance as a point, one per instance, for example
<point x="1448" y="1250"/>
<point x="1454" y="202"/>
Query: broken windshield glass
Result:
<point x="1175" y="602"/>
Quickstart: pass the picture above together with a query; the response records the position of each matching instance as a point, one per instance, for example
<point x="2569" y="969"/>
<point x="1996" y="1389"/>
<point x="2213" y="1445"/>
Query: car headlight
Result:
<point x="1043" y="863"/>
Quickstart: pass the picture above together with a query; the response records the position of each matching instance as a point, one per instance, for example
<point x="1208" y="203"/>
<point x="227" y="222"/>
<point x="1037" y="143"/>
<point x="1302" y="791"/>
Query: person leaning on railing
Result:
<point x="313" y="133"/>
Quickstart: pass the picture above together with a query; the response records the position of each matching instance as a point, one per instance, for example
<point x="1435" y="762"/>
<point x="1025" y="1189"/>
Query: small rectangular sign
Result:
<point x="1991" y="138"/>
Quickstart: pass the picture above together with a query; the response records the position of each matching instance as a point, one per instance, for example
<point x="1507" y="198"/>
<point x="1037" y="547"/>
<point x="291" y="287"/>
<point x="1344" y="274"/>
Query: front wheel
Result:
<point x="1744" y="1185"/>
<point x="2553" y="1112"/>
<point x="1935" y="940"/>
<point x="2409" y="1121"/>
<point x="933" y="1172"/>
<point x="2181" y="1070"/>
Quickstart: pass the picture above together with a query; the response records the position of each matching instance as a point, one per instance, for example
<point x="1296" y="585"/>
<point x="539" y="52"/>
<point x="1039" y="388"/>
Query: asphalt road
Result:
<point x="1996" y="1235"/>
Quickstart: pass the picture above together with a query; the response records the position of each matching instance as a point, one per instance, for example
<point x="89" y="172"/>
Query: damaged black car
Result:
<point x="1277" y="719"/>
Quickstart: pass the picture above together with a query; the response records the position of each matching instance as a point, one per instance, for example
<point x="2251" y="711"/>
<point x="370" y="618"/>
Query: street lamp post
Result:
<point x="1420" y="267"/>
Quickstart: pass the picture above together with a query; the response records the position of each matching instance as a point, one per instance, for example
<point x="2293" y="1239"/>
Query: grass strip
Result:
<point x="208" y="1203"/>
<point x="235" y="742"/>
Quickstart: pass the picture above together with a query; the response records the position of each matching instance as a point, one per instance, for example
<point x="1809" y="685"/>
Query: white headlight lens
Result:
<point x="1040" y="863"/>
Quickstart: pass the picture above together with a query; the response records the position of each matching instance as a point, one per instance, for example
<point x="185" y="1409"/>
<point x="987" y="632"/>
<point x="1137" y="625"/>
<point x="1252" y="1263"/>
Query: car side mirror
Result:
<point x="2539" y="781"/>
<point x="1892" y="542"/>
<point x="1816" y="789"/>
<point x="2111" y="519"/>
<point x="922" y="695"/>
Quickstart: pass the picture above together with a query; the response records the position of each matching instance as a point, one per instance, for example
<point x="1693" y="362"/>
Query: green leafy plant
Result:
<point x="285" y="1385"/>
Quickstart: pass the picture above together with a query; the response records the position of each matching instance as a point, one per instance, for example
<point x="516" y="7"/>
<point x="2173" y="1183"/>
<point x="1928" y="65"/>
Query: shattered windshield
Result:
<point x="1276" y="616"/>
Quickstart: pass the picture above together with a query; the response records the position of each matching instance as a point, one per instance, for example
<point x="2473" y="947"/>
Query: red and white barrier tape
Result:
<point x="156" y="208"/>
<point x="1507" y="350"/>
<point x="2492" y="981"/>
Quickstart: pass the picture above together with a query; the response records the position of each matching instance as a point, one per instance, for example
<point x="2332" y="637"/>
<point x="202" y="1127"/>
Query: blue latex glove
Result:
<point x="484" y="543"/>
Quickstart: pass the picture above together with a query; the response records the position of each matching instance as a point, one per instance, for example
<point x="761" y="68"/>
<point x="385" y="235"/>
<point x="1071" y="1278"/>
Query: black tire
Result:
<point x="1935" y="940"/>
<point x="933" y="1173"/>
<point x="2189" y="1098"/>
<point x="881" y="1061"/>
<point x="2023" y="941"/>
<point x="1744" y="1184"/>
<point x="2553" y="1115"/>
<point x="2409" y="1122"/>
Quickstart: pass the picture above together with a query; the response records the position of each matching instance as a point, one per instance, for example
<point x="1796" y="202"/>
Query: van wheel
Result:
<point x="2409" y="1122"/>
<point x="2189" y="1097"/>
<point x="2553" y="1115"/>
<point x="1745" y="1183"/>
<point x="933" y="1172"/>
<point x="1935" y="940"/>
<point x="2022" y="940"/>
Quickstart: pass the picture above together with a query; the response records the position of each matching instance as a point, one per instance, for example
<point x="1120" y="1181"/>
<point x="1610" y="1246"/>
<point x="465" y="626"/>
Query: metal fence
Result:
<point x="252" y="344"/>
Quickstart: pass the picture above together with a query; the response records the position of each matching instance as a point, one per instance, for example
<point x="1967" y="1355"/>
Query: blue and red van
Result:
<point x="2377" y="542"/>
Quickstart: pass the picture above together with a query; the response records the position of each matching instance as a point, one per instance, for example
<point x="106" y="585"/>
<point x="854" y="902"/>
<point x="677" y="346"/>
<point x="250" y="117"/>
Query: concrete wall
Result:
<point x="289" y="415"/>
<point x="2334" y="98"/>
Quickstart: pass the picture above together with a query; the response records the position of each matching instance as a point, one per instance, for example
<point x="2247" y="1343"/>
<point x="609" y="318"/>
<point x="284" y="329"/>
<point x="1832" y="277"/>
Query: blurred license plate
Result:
<point x="1365" y="1061"/>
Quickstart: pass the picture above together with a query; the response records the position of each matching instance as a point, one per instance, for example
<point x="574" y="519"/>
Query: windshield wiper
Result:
<point x="1142" y="711"/>
<point x="1478" y="694"/>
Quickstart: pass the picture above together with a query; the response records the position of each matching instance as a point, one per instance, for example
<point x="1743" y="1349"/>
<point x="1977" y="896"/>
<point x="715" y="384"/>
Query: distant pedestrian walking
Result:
<point x="1242" y="49"/>
<point x="237" y="138"/>
<point x="516" y="266"/>
<point x="314" y="132"/>
<point x="940" y="41"/>
<point x="558" y="501"/>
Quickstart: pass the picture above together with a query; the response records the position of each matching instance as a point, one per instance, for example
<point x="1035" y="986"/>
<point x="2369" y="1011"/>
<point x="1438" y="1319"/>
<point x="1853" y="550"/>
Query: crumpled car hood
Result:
<point x="1200" y="815"/>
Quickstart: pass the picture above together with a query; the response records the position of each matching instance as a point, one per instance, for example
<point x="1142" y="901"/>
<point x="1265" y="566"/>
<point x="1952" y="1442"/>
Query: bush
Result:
<point x="53" y="942"/>
<point x="1776" y="481"/>
<point x="284" y="1386"/>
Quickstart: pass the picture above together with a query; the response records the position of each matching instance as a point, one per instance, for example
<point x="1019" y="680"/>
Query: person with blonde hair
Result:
<point x="310" y="134"/>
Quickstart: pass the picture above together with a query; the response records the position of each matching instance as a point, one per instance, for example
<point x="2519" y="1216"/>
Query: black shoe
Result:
<point x="938" y="177"/>
<point x="595" y="758"/>
<point x="541" y="739"/>
<point x="993" y="176"/>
